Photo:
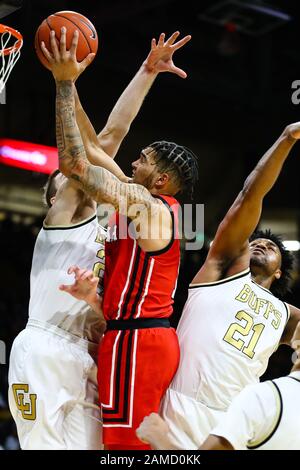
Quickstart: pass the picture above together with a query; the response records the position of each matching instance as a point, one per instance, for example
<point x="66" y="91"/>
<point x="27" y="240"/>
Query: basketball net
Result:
<point x="11" y="42"/>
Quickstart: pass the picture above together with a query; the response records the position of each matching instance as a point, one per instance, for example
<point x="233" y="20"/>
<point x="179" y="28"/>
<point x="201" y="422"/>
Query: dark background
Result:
<point x="234" y="104"/>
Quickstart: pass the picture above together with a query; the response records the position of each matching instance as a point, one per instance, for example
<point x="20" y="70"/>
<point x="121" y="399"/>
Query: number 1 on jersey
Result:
<point x="245" y="330"/>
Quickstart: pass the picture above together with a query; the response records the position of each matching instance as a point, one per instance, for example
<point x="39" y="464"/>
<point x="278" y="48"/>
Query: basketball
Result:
<point x="87" y="40"/>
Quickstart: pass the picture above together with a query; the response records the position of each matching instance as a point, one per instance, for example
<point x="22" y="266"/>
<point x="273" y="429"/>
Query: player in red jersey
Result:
<point x="139" y="353"/>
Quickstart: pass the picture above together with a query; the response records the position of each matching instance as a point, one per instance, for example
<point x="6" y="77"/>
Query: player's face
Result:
<point x="144" y="169"/>
<point x="265" y="254"/>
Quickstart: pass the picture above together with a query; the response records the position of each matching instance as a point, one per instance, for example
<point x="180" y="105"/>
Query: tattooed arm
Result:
<point x="98" y="182"/>
<point x="129" y="199"/>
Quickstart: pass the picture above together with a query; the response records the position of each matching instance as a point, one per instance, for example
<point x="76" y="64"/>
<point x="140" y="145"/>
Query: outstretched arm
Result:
<point x="160" y="59"/>
<point x="133" y="200"/>
<point x="97" y="182"/>
<point x="64" y="66"/>
<point x="231" y="241"/>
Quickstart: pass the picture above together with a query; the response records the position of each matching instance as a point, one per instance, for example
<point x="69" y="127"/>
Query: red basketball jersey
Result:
<point x="139" y="284"/>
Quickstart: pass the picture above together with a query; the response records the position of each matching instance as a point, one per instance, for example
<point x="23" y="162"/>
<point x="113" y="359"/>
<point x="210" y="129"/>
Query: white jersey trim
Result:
<point x="221" y="281"/>
<point x="276" y="421"/>
<point x="70" y="226"/>
<point x="295" y="375"/>
<point x="288" y="310"/>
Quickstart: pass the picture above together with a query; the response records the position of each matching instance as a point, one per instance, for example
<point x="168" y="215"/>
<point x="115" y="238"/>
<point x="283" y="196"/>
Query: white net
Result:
<point x="7" y="61"/>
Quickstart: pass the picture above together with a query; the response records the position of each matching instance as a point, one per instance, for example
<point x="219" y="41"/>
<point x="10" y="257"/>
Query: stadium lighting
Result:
<point x="292" y="245"/>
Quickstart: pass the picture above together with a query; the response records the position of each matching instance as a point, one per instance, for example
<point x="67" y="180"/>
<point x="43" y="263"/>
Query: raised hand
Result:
<point x="160" y="58"/>
<point x="84" y="286"/>
<point x="64" y="64"/>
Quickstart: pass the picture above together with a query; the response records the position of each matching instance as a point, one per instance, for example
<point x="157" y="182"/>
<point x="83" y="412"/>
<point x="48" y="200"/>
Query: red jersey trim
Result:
<point x="120" y="411"/>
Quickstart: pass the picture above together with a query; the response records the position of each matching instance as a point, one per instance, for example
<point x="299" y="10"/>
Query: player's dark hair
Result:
<point x="179" y="161"/>
<point x="280" y="287"/>
<point x="50" y="188"/>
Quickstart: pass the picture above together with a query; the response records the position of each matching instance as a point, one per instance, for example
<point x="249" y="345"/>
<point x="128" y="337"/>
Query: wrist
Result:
<point x="148" y="69"/>
<point x="64" y="81"/>
<point x="95" y="302"/>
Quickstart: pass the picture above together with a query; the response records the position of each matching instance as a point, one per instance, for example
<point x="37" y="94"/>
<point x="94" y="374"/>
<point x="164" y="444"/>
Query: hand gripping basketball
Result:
<point x="63" y="62"/>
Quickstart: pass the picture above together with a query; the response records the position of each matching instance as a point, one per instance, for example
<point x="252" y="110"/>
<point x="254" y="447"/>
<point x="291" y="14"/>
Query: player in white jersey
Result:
<point x="52" y="375"/>
<point x="232" y="322"/>
<point x="262" y="417"/>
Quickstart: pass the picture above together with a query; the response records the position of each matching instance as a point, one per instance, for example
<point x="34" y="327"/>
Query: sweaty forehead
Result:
<point x="149" y="153"/>
<point x="265" y="241"/>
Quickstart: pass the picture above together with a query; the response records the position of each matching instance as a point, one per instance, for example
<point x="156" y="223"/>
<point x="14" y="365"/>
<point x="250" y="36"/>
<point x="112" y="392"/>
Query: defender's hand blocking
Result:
<point x="64" y="64"/>
<point x="154" y="430"/>
<point x="85" y="285"/>
<point x="161" y="54"/>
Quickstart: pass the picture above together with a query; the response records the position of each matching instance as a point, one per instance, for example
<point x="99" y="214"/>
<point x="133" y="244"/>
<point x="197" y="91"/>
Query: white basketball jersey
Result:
<point x="227" y="332"/>
<point x="285" y="430"/>
<point x="56" y="249"/>
<point x="264" y="416"/>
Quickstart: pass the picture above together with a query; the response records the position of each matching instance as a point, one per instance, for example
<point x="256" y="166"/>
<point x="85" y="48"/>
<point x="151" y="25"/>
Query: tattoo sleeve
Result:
<point x="97" y="182"/>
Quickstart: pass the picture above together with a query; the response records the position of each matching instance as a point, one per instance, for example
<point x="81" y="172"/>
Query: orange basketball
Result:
<point x="87" y="40"/>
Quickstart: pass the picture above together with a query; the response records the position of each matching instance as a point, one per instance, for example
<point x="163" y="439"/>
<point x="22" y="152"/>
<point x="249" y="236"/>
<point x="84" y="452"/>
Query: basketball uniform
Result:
<point x="139" y="353"/>
<point x="53" y="393"/>
<point x="264" y="416"/>
<point x="227" y="332"/>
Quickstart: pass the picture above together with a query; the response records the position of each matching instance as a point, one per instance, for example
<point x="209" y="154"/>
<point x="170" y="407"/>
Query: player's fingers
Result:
<point x="63" y="41"/>
<point x="54" y="47"/>
<point x="182" y="42"/>
<point x="181" y="73"/>
<point x="85" y="274"/>
<point x="74" y="44"/>
<point x="73" y="269"/>
<point x="66" y="288"/>
<point x="79" y="274"/>
<point x="161" y="39"/>
<point x="77" y="271"/>
<point x="153" y="43"/>
<point x="89" y="275"/>
<point x="46" y="53"/>
<point x="173" y="38"/>
<point x="88" y="60"/>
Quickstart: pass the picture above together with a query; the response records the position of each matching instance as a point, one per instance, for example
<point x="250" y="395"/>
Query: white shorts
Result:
<point x="190" y="421"/>
<point x="53" y="393"/>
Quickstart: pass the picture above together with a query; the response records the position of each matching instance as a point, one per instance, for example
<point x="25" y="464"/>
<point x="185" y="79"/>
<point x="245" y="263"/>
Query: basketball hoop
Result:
<point x="9" y="52"/>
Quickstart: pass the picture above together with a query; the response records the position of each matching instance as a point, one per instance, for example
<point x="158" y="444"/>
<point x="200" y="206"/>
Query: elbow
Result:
<point x="113" y="133"/>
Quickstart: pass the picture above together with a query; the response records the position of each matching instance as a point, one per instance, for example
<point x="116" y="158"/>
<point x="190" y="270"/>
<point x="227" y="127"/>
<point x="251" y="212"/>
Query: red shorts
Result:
<point x="135" y="368"/>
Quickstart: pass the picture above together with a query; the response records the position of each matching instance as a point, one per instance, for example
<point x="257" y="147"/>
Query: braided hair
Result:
<point x="179" y="161"/>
